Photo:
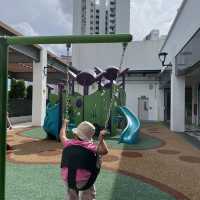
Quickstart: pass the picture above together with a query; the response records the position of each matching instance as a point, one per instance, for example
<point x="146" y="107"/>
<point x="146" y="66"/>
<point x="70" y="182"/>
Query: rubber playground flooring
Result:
<point x="162" y="166"/>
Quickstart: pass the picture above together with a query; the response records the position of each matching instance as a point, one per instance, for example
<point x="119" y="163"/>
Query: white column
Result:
<point x="194" y="103"/>
<point x="39" y="90"/>
<point x="177" y="103"/>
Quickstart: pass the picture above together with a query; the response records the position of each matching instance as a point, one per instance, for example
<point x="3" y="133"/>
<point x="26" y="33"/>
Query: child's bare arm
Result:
<point x="102" y="148"/>
<point x="62" y="135"/>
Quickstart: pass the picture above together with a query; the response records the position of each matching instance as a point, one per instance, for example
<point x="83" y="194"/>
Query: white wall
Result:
<point x="77" y="16"/>
<point x="123" y="16"/>
<point x="136" y="89"/>
<point x="140" y="55"/>
<point x="102" y="18"/>
<point x="184" y="27"/>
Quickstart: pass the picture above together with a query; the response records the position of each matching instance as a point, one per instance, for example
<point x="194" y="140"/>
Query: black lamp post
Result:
<point x="45" y="70"/>
<point x="68" y="49"/>
<point x="162" y="57"/>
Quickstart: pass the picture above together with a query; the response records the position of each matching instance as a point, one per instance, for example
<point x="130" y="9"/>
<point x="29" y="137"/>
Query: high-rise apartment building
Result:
<point x="101" y="16"/>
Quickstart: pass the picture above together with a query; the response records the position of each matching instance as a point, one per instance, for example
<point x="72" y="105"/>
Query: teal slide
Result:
<point x="52" y="121"/>
<point x="131" y="132"/>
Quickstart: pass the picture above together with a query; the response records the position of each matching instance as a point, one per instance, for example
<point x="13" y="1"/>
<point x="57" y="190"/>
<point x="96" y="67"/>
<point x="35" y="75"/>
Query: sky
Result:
<point x="54" y="17"/>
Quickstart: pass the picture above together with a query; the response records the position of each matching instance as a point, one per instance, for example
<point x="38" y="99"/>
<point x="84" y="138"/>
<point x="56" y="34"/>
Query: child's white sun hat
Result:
<point x="85" y="131"/>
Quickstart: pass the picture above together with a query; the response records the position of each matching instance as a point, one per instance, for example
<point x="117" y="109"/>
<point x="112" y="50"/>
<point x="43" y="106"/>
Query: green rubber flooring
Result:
<point x="36" y="133"/>
<point x="145" y="141"/>
<point x="43" y="182"/>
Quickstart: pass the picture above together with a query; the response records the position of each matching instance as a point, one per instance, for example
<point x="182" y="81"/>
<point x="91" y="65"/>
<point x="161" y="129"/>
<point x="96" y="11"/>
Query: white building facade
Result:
<point x="183" y="48"/>
<point x="101" y="17"/>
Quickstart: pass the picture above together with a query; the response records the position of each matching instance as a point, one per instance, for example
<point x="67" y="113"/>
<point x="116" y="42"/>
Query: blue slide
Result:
<point x="52" y="121"/>
<point x="131" y="132"/>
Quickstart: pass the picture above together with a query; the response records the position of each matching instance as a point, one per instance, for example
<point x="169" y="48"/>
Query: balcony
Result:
<point x="112" y="22"/>
<point x="112" y="2"/>
<point x="112" y="29"/>
<point x="112" y="15"/>
<point x="112" y="11"/>
<point x="112" y="5"/>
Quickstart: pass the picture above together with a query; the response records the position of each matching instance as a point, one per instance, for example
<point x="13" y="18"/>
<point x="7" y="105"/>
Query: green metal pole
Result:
<point x="3" y="112"/>
<point x="69" y="39"/>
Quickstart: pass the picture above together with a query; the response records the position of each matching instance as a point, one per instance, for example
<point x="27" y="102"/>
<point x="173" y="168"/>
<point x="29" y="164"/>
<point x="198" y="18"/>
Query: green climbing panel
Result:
<point x="76" y="108"/>
<point x="95" y="107"/>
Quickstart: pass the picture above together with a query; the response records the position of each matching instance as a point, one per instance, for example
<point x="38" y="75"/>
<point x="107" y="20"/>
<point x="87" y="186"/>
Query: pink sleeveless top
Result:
<point x="82" y="175"/>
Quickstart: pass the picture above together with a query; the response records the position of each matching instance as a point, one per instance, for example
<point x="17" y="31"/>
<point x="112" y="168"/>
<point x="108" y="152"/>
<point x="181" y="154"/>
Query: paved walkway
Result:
<point x="173" y="167"/>
<point x="193" y="132"/>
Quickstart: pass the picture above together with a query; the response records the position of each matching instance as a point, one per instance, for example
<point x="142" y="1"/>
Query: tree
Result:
<point x="17" y="89"/>
<point x="12" y="93"/>
<point x="29" y="92"/>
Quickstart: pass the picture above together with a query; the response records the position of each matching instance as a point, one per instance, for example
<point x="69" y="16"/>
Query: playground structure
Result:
<point x="101" y="106"/>
<point x="5" y="41"/>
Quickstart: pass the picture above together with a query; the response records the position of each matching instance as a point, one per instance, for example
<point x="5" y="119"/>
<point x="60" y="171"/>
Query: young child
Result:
<point x="83" y="137"/>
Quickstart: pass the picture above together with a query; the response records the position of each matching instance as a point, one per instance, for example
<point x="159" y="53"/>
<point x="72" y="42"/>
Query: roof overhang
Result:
<point x="21" y="58"/>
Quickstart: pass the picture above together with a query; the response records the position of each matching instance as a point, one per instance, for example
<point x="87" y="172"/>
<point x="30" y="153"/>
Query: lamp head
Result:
<point x="162" y="57"/>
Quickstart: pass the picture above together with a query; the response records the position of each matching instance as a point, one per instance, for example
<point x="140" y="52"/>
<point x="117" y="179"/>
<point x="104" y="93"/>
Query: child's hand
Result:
<point x="102" y="134"/>
<point x="65" y="122"/>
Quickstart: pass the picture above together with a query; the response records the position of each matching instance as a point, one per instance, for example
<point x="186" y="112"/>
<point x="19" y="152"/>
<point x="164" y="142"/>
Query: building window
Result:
<point x="112" y="15"/>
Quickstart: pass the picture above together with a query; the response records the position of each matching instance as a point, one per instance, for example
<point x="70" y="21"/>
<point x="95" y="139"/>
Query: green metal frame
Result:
<point x="3" y="112"/>
<point x="22" y="40"/>
<point x="77" y="39"/>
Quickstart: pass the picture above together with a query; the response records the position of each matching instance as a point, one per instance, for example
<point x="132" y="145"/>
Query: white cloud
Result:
<point x="25" y="28"/>
<point x="58" y="49"/>
<point x="54" y="17"/>
<point x="152" y="14"/>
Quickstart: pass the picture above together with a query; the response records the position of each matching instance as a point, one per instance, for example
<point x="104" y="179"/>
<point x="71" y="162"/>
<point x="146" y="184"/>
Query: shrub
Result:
<point x="17" y="89"/>
<point x="29" y="92"/>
